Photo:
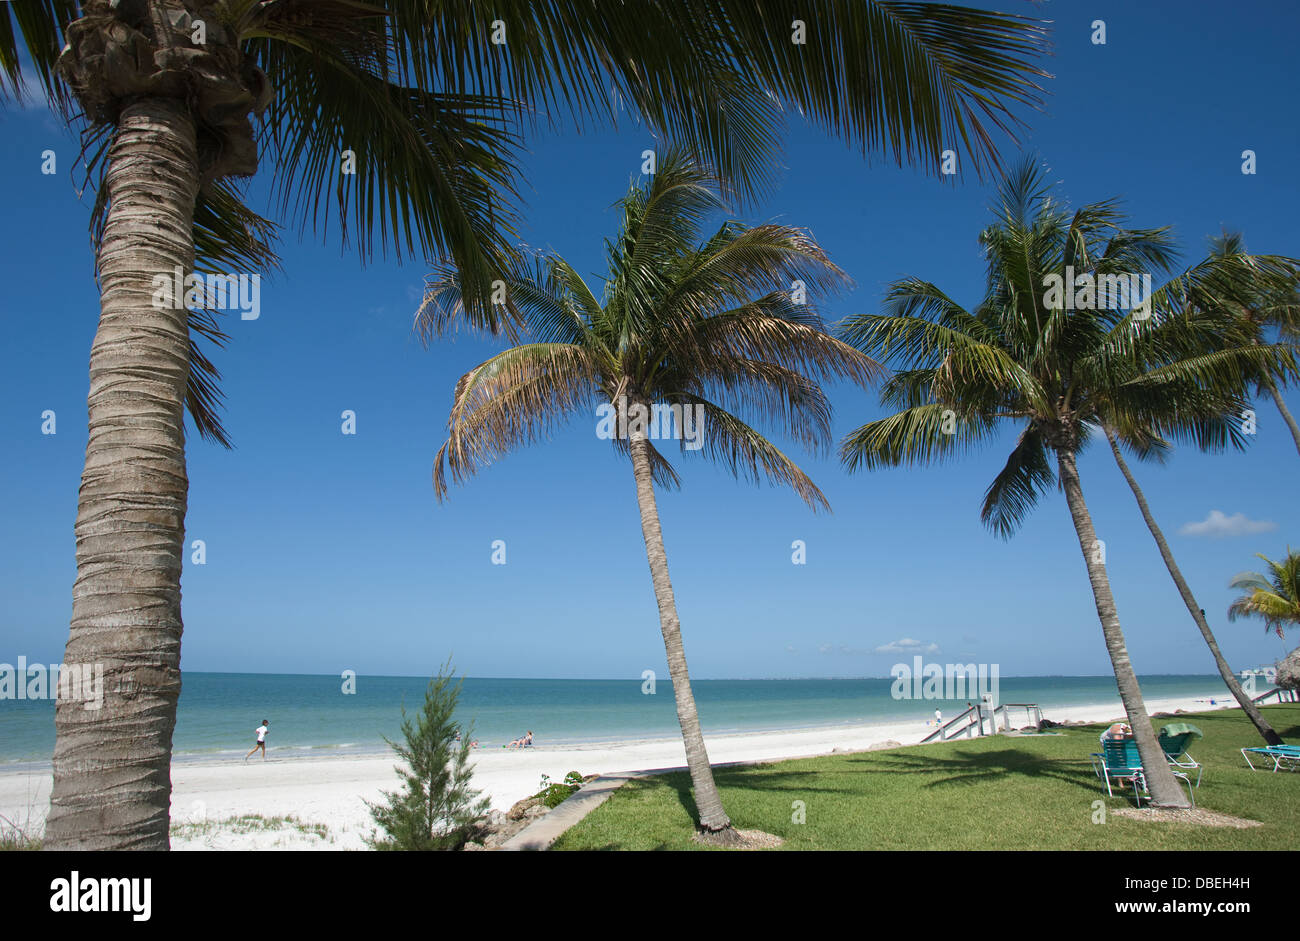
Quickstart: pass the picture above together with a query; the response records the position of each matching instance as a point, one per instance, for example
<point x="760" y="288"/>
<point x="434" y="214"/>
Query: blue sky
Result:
<point x="328" y="552"/>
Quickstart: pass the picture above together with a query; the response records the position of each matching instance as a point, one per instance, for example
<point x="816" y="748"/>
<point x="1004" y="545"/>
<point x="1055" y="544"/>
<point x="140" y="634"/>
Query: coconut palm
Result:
<point x="1207" y="416"/>
<point x="1056" y="362"/>
<point x="397" y="121"/>
<point x="713" y="329"/>
<point x="1268" y="300"/>
<point x="1273" y="596"/>
<point x="1185" y="592"/>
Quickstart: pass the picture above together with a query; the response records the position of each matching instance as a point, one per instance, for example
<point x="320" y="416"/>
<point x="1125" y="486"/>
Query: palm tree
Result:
<point x="424" y="102"/>
<point x="1267" y="298"/>
<point x="711" y="329"/>
<point x="1024" y="354"/>
<point x="1273" y="595"/>
<point x="1213" y="284"/>
<point x="1185" y="591"/>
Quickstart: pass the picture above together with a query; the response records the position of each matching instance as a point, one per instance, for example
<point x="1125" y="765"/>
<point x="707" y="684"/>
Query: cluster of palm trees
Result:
<point x="427" y="104"/>
<point x="711" y="322"/>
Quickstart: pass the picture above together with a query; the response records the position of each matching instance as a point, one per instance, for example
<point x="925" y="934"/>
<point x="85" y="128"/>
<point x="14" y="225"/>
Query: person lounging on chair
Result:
<point x="1119" y="761"/>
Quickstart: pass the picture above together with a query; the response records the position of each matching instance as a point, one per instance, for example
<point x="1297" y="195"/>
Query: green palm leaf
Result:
<point x="1273" y="596"/>
<point x="1016" y="489"/>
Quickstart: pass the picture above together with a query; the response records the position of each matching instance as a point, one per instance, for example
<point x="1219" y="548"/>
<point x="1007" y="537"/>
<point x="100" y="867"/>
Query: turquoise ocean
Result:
<point x="312" y="715"/>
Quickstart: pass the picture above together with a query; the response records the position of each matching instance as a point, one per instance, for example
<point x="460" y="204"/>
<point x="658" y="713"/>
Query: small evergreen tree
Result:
<point x="437" y="810"/>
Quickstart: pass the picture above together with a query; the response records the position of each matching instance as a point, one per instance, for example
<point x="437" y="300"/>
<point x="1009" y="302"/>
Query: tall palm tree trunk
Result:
<point x="712" y="817"/>
<point x="1281" y="407"/>
<point x="1164" y="788"/>
<point x="112" y="765"/>
<point x="1266" y="730"/>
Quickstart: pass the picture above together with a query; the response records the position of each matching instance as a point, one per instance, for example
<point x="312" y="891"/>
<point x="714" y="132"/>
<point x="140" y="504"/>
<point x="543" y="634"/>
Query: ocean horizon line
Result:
<point x="666" y="679"/>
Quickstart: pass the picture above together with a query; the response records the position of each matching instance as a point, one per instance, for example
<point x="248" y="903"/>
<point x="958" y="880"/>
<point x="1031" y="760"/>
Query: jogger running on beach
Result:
<point x="261" y="740"/>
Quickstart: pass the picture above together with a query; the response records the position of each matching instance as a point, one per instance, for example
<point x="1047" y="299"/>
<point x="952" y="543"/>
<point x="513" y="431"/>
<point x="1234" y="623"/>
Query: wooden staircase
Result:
<point x="974" y="720"/>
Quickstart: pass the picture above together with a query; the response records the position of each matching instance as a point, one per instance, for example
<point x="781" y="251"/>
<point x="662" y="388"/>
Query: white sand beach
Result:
<point x="325" y="797"/>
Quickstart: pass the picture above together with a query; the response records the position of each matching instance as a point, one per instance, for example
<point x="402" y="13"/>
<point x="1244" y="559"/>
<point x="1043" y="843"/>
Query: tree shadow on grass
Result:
<point x="681" y="783"/>
<point x="759" y="779"/>
<point x="964" y="768"/>
<point x="960" y="768"/>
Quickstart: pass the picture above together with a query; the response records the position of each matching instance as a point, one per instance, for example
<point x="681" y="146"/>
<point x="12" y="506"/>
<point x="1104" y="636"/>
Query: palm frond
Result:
<point x="766" y="392"/>
<point x="770" y="331"/>
<point x="749" y="456"/>
<point x="905" y="79"/>
<point x="916" y="435"/>
<point x="739" y="263"/>
<point x="1016" y="489"/>
<point x="1273" y="597"/>
<point x="39" y="24"/>
<point x="203" y="395"/>
<point x="517" y="397"/>
<point x="435" y="172"/>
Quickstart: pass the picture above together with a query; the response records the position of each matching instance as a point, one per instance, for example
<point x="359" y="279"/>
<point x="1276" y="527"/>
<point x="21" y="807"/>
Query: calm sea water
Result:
<point x="310" y="714"/>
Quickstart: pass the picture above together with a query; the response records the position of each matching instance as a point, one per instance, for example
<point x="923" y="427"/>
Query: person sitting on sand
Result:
<point x="523" y="742"/>
<point x="261" y="740"/>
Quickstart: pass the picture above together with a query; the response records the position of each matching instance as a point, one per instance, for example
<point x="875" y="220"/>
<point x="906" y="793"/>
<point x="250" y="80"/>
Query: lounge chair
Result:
<point x="1288" y="755"/>
<point x="1173" y="741"/>
<point x="1119" y="761"/>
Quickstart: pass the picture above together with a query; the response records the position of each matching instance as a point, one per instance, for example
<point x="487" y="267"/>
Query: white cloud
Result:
<point x="1218" y="525"/>
<point x="907" y="645"/>
<point x="841" y="650"/>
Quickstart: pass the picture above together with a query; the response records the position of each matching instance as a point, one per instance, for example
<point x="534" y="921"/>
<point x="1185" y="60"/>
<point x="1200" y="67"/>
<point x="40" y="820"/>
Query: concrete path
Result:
<point x="544" y="831"/>
<point x="540" y="834"/>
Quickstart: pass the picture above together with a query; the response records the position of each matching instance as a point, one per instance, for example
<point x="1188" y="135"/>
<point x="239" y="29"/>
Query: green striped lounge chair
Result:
<point x="1173" y="742"/>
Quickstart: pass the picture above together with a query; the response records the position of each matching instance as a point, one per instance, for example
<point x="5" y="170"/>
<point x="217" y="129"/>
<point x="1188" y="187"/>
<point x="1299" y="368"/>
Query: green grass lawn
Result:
<point x="995" y="793"/>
